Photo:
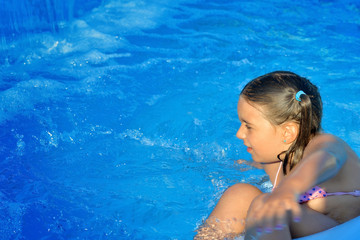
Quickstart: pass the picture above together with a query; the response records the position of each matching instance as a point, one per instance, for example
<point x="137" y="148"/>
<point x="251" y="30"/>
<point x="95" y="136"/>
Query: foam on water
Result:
<point x="118" y="118"/>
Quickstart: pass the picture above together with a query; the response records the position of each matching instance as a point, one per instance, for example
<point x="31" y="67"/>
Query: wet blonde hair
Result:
<point x="275" y="93"/>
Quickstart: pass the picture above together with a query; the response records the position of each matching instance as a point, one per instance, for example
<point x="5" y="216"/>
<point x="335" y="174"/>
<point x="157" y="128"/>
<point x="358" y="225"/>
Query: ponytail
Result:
<point x="294" y="154"/>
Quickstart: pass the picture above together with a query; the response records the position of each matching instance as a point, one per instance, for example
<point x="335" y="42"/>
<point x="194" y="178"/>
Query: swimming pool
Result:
<point x="118" y="118"/>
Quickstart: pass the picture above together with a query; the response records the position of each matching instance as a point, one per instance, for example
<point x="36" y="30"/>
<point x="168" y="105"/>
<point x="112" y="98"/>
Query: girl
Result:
<point x="315" y="176"/>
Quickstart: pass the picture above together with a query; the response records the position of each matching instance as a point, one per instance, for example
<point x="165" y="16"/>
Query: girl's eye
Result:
<point x="247" y="126"/>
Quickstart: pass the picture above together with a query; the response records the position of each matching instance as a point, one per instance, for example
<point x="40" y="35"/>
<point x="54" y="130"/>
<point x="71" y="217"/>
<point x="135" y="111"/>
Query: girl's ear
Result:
<point x="290" y="131"/>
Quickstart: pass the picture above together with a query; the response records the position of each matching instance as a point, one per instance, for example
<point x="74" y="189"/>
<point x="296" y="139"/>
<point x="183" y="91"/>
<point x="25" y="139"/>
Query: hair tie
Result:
<point x="298" y="95"/>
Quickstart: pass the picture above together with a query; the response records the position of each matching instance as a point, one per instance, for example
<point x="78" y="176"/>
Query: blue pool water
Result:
<point x="118" y="118"/>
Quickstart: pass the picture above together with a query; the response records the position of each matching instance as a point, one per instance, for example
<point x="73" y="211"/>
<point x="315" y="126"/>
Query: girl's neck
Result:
<point x="277" y="175"/>
<point x="275" y="172"/>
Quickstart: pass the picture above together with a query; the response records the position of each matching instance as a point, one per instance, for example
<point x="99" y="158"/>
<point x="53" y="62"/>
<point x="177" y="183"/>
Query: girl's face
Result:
<point x="263" y="139"/>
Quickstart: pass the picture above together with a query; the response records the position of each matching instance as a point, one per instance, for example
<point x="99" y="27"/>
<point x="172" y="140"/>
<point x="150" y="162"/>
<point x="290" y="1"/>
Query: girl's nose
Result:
<point x="240" y="133"/>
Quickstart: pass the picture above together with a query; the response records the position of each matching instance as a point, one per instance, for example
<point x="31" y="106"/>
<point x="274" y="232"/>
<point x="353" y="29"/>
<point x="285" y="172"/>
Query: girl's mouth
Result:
<point x="249" y="149"/>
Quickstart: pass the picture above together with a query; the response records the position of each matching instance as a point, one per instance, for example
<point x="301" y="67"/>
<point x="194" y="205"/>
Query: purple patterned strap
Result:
<point x="318" y="192"/>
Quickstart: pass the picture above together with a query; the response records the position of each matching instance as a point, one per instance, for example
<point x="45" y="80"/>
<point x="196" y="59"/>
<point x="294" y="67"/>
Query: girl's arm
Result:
<point x="324" y="157"/>
<point x="322" y="160"/>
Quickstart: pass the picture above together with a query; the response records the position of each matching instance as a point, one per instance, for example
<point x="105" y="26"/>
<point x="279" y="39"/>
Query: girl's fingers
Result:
<point x="277" y="217"/>
<point x="296" y="212"/>
<point x="256" y="212"/>
<point x="270" y="215"/>
<point x="280" y="220"/>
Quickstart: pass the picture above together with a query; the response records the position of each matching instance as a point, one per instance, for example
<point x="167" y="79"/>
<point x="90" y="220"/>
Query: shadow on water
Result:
<point x="18" y="18"/>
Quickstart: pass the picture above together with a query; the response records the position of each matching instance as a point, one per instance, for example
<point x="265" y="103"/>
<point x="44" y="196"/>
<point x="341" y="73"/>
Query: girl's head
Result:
<point x="274" y="94"/>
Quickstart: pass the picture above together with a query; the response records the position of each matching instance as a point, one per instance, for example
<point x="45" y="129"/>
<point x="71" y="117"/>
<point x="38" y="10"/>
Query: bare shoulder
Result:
<point x="333" y="145"/>
<point x="325" y="141"/>
<point x="324" y="138"/>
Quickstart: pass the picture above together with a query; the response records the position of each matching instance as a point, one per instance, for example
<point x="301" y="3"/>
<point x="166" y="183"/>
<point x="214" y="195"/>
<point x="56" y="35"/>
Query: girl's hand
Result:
<point x="273" y="211"/>
<point x="249" y="163"/>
